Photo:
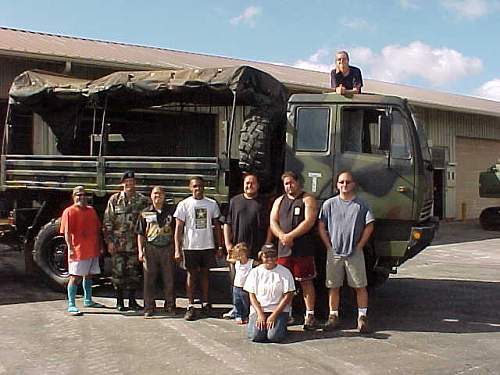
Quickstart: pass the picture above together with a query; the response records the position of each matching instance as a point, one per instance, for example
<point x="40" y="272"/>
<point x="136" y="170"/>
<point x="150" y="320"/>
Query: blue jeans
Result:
<point x="241" y="302"/>
<point x="275" y="334"/>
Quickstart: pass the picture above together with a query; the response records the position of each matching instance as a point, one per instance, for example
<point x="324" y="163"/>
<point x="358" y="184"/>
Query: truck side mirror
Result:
<point x="384" y="135"/>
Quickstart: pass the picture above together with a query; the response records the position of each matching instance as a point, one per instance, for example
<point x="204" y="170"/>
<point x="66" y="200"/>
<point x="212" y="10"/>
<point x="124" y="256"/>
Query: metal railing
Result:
<point x="102" y="175"/>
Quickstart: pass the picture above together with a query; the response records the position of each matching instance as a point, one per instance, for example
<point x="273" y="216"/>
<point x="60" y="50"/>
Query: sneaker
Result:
<point x="229" y="315"/>
<point x="148" y="314"/>
<point x="206" y="311"/>
<point x="363" y="324"/>
<point x="238" y="320"/>
<point x="332" y="323"/>
<point x="73" y="311"/>
<point x="190" y="314"/>
<point x="309" y="323"/>
<point x="93" y="304"/>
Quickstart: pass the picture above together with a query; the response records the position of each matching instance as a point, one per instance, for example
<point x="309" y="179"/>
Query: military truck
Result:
<point x="218" y="123"/>
<point x="489" y="187"/>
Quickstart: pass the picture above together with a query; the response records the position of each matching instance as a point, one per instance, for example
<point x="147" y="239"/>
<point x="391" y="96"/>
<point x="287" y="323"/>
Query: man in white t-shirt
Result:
<point x="197" y="235"/>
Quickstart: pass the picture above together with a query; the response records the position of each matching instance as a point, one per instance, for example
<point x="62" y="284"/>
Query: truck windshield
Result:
<point x="422" y="136"/>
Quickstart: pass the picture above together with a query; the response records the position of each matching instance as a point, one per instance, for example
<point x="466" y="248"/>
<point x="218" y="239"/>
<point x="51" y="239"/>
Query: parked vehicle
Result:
<point x="489" y="187"/>
<point x="218" y="123"/>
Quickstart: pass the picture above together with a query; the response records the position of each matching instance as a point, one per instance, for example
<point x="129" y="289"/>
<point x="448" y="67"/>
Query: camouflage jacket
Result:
<point x="120" y="219"/>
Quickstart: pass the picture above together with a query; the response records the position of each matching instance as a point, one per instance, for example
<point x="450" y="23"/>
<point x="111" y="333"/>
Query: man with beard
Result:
<point x="247" y="221"/>
<point x="81" y="228"/>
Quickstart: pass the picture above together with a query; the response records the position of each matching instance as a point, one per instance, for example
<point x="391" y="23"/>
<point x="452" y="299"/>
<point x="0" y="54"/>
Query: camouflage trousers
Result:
<point x="125" y="272"/>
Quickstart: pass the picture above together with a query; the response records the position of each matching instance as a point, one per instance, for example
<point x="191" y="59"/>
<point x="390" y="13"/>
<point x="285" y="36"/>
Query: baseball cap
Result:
<point x="79" y="190"/>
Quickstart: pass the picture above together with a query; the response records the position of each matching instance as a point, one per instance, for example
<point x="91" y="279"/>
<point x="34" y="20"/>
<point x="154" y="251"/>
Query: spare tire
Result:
<point x="255" y="147"/>
<point x="50" y="254"/>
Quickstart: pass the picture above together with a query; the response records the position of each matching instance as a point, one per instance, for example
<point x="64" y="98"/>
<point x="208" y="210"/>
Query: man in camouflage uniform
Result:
<point x="119" y="221"/>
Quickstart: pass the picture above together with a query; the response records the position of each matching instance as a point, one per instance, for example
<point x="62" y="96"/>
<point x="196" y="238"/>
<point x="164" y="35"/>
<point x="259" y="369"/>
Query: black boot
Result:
<point x="120" y="306"/>
<point x="132" y="303"/>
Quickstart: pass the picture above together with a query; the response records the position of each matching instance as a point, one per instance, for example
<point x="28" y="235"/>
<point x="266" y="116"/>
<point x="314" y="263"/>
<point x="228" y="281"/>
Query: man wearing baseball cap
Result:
<point x="82" y="232"/>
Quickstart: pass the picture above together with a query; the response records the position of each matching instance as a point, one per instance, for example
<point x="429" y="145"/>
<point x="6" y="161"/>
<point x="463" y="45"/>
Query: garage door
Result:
<point x="473" y="156"/>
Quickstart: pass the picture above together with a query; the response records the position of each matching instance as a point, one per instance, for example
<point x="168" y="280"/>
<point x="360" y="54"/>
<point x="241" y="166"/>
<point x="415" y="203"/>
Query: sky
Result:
<point x="445" y="45"/>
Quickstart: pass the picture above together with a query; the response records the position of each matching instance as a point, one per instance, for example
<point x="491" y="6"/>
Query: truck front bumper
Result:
<point x="421" y="236"/>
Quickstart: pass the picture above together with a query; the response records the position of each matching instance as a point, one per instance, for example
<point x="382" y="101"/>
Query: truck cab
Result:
<point x="377" y="139"/>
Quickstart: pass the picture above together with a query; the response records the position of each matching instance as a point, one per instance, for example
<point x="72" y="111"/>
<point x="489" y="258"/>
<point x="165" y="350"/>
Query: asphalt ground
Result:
<point x="439" y="315"/>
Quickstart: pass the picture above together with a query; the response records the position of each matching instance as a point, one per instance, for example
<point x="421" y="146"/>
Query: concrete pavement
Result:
<point x="439" y="315"/>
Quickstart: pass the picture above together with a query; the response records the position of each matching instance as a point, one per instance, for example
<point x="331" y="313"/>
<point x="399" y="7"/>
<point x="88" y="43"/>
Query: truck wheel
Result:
<point x="490" y="218"/>
<point x="255" y="147"/>
<point x="50" y="254"/>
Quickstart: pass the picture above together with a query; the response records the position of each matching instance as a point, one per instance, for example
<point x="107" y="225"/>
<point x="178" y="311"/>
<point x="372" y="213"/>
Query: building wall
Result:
<point x="443" y="128"/>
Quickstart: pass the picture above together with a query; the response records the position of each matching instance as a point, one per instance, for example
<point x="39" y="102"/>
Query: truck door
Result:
<point x="310" y="147"/>
<point x="386" y="178"/>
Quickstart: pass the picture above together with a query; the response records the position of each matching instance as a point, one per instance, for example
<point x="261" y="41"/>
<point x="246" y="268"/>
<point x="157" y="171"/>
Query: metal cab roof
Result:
<point x="336" y="98"/>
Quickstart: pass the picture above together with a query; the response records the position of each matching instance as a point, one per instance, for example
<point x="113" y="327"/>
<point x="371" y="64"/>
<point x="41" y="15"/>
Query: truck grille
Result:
<point x="426" y="212"/>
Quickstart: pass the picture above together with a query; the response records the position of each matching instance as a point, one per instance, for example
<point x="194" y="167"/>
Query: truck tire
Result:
<point x="50" y="254"/>
<point x="490" y="218"/>
<point x="255" y="147"/>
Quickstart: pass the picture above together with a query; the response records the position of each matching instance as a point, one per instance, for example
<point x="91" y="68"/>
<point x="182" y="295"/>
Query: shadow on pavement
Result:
<point x="426" y="305"/>
<point x="301" y="336"/>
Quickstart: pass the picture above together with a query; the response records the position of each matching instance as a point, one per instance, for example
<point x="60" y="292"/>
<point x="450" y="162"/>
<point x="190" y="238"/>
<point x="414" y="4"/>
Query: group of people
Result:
<point x="270" y="249"/>
<point x="344" y="223"/>
<point x="139" y="230"/>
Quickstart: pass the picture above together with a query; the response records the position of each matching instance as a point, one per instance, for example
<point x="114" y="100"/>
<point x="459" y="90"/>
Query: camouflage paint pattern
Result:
<point x="119" y="220"/>
<point x="397" y="190"/>
<point x="125" y="271"/>
<point x="489" y="182"/>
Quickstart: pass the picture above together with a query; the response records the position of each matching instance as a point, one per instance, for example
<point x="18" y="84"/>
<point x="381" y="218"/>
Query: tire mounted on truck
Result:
<point x="255" y="147"/>
<point x="50" y="254"/>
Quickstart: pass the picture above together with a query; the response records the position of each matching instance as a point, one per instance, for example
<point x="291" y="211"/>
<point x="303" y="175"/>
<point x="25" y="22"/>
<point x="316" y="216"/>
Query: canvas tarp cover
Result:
<point x="43" y="91"/>
<point x="59" y="99"/>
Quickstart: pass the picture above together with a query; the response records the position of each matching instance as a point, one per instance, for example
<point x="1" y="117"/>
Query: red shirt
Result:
<point x="84" y="227"/>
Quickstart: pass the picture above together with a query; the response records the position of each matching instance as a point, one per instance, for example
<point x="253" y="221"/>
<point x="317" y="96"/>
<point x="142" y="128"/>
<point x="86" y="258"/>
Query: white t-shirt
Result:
<point x="197" y="215"/>
<point x="269" y="286"/>
<point x="241" y="272"/>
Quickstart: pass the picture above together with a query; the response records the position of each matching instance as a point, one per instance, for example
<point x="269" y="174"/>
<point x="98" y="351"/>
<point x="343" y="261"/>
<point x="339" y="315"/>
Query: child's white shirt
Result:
<point x="241" y="272"/>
